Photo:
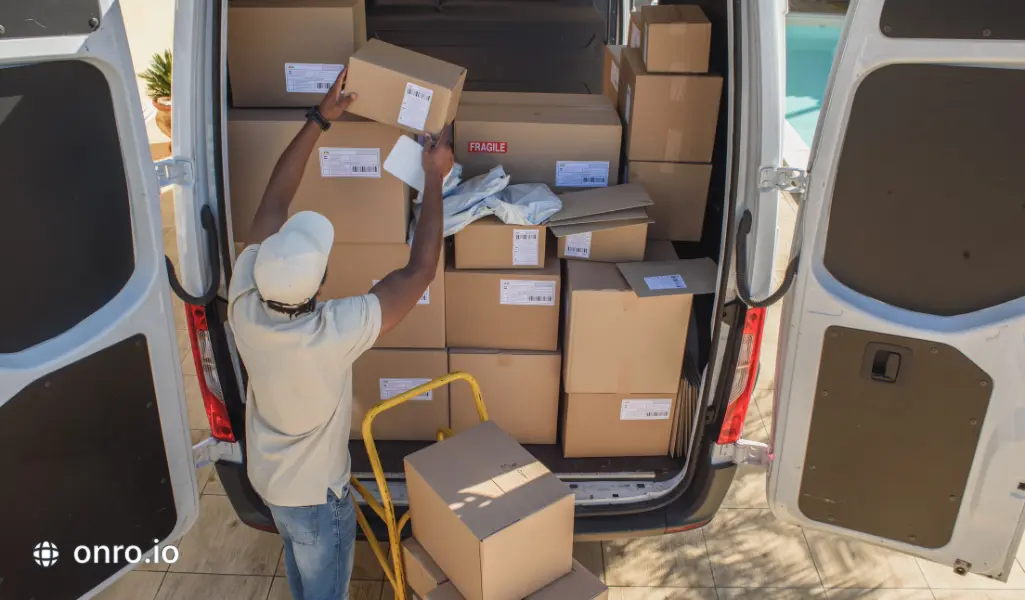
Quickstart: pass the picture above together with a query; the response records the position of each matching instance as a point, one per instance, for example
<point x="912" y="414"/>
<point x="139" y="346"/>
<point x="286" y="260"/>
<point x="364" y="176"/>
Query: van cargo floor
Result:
<point x="647" y="468"/>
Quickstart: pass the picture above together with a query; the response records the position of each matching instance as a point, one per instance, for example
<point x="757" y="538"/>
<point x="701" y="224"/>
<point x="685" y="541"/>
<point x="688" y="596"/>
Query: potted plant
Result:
<point x="158" y="88"/>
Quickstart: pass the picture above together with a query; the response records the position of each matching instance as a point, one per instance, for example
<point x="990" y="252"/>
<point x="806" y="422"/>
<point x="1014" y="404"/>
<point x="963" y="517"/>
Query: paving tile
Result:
<point x="136" y="585"/>
<point x="194" y="586"/>
<point x="942" y="577"/>
<point x="589" y="554"/>
<point x="364" y="565"/>
<point x="845" y="563"/>
<point x="763" y="398"/>
<point x="167" y="210"/>
<point x="750" y="548"/>
<point x="771" y="593"/>
<point x="178" y="310"/>
<point x="214" y="486"/>
<point x="220" y="543"/>
<point x="976" y="595"/>
<point x="188" y="365"/>
<point x="203" y="474"/>
<point x="880" y="594"/>
<point x="661" y="593"/>
<point x="748" y="488"/>
<point x="184" y="345"/>
<point x="673" y="560"/>
<point x="194" y="403"/>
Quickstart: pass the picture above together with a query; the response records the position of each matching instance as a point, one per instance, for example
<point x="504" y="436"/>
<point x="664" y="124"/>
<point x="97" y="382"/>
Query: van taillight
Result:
<point x="206" y="369"/>
<point x="743" y="377"/>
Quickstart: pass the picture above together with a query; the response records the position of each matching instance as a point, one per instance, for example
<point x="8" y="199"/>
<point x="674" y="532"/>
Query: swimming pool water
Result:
<point x="810" y="52"/>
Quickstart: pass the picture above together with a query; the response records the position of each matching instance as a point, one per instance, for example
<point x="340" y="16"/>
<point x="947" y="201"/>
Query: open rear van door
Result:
<point x="899" y="405"/>
<point x="96" y="455"/>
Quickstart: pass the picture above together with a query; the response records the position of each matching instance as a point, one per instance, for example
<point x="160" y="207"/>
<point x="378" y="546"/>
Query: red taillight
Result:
<point x="206" y="370"/>
<point x="743" y="377"/>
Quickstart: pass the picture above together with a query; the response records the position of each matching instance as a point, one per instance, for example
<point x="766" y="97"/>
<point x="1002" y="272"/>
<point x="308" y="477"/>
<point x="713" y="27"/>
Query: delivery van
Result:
<point x="898" y="407"/>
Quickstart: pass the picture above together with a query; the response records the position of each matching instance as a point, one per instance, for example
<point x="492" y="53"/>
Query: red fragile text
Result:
<point x="489" y="147"/>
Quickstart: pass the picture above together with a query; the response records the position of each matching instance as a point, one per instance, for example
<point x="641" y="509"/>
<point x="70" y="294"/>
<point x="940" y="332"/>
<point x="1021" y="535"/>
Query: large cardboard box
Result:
<point x="578" y="584"/>
<point x="679" y="192"/>
<point x="496" y="520"/>
<point x="675" y="38"/>
<point x="520" y="389"/>
<point x="491" y="244"/>
<point x="284" y="54"/>
<point x="567" y="141"/>
<point x="383" y="373"/>
<point x="343" y="179"/>
<point x="353" y="269"/>
<point x="622" y="340"/>
<point x="596" y="425"/>
<point x="507" y="309"/>
<point x="610" y="79"/>
<point x="402" y="88"/>
<point x="615" y="244"/>
<point x="423" y="575"/>
<point x="667" y="118"/>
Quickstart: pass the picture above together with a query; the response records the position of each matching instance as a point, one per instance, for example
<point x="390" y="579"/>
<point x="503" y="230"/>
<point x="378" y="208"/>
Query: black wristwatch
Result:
<point x="314" y="115"/>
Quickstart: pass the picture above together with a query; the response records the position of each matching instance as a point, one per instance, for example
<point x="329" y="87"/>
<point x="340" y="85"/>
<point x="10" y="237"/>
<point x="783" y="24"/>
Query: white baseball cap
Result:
<point x="290" y="264"/>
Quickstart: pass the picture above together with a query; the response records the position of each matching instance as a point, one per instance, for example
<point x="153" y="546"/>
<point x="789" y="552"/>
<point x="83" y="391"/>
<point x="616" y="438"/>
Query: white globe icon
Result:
<point x="45" y="554"/>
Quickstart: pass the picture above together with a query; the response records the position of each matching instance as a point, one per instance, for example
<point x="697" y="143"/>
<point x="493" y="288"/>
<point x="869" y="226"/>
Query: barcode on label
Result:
<point x="578" y="245"/>
<point x="575" y="173"/>
<point x="416" y="105"/>
<point x="540" y="299"/>
<point x="323" y="86"/>
<point x="665" y="282"/>
<point x="350" y="162"/>
<point x="526" y="235"/>
<point x="527" y="292"/>
<point x="393" y="387"/>
<point x="526" y="248"/>
<point x="645" y="410"/>
<point x="310" y="77"/>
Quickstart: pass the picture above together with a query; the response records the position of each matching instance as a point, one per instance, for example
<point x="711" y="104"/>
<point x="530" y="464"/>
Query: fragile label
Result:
<point x="575" y="173"/>
<point x="350" y="162"/>
<point x="635" y="36"/>
<point x="416" y="104"/>
<point x="487" y="147"/>
<point x="393" y="387"/>
<point x="578" y="245"/>
<point x="310" y="77"/>
<point x="425" y="299"/>
<point x="525" y="247"/>
<point x="626" y="108"/>
<point x="645" y="410"/>
<point x="527" y="292"/>
<point x="614" y="76"/>
<point x="665" y="282"/>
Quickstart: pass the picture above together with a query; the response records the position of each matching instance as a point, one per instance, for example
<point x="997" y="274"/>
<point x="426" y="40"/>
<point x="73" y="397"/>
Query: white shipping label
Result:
<point x="626" y="108"/>
<point x="525" y="247"/>
<point x="578" y="245"/>
<point x="425" y="299"/>
<point x="635" y="36"/>
<point x="393" y="387"/>
<point x="576" y="173"/>
<point x="310" y="77"/>
<point x="350" y="162"/>
<point x="645" y="410"/>
<point x="527" y="292"/>
<point x="665" y="282"/>
<point x="614" y="76"/>
<point x="416" y="103"/>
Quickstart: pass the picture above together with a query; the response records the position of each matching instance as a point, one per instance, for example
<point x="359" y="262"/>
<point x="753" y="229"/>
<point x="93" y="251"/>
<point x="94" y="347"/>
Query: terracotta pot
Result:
<point x="163" y="117"/>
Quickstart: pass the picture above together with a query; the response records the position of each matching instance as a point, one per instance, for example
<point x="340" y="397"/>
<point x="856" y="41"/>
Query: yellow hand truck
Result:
<point x="385" y="509"/>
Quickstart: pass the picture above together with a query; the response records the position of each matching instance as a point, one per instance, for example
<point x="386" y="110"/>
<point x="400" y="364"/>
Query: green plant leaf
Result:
<point x="158" y="76"/>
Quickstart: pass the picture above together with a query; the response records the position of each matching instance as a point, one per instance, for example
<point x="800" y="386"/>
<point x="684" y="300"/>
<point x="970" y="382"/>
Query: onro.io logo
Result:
<point x="45" y="554"/>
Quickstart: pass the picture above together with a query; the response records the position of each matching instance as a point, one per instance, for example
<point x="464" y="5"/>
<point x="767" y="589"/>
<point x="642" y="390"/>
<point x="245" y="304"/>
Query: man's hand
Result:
<point x="336" y="101"/>
<point x="437" y="156"/>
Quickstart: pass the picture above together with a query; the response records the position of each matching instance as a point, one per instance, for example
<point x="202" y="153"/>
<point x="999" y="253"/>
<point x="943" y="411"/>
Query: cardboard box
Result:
<point x="619" y="340"/>
<point x="496" y="520"/>
<point x="423" y="575"/>
<point x="675" y="38"/>
<point x="402" y="88"/>
<point x="679" y="192"/>
<point x="578" y="584"/>
<point x="507" y="309"/>
<point x="383" y="373"/>
<point x="600" y="425"/>
<point x="610" y="78"/>
<point x="491" y="244"/>
<point x="520" y="389"/>
<point x="283" y="54"/>
<point x="567" y="141"/>
<point x="634" y="39"/>
<point x="618" y="244"/>
<point x="339" y="181"/>
<point x="667" y="118"/>
<point x="353" y="269"/>
<point x="606" y="224"/>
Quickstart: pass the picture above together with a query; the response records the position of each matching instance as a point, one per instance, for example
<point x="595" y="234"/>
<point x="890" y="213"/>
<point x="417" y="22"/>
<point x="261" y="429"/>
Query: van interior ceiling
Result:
<point x="550" y="46"/>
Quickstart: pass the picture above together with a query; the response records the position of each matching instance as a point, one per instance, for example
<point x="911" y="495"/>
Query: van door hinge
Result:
<point x="173" y="171"/>
<point x="785" y="179"/>
<point x="212" y="450"/>
<point x="742" y="452"/>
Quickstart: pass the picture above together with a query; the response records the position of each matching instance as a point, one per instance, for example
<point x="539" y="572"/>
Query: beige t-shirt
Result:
<point x="299" y="401"/>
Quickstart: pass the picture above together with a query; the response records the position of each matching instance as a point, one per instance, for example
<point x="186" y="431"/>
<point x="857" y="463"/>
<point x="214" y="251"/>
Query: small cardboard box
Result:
<point x="423" y="575"/>
<point x="635" y="38"/>
<point x="667" y="118"/>
<point x="520" y="389"/>
<point x="675" y="38"/>
<point x="679" y="192"/>
<point x="610" y="79"/>
<point x="287" y="54"/>
<point x="402" y="88"/>
<point x="578" y="584"/>
<point x="622" y="336"/>
<point x="566" y="141"/>
<point x="507" y="309"/>
<point x="601" y="425"/>
<point x="491" y="244"/>
<point x="614" y="244"/>
<point x="383" y="373"/>
<point x="607" y="224"/>
<point x="353" y="269"/>
<point x="496" y="520"/>
<point x="343" y="179"/>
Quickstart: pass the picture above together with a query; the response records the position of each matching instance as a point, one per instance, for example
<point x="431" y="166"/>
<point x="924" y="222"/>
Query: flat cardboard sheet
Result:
<point x="563" y="231"/>
<point x="664" y="278"/>
<point x="615" y="215"/>
<point x="580" y="205"/>
<point x="423" y="575"/>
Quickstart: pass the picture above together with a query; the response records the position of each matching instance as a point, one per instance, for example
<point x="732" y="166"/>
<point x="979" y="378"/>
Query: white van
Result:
<point x="899" y="417"/>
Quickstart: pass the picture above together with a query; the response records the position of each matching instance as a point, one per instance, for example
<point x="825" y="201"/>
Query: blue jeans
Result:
<point x="319" y="545"/>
